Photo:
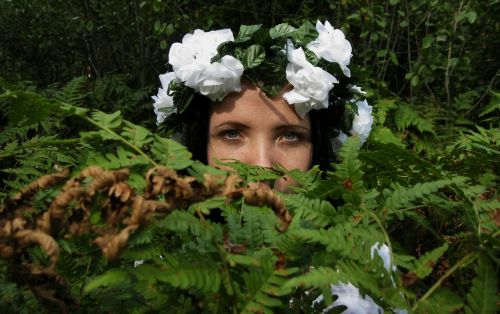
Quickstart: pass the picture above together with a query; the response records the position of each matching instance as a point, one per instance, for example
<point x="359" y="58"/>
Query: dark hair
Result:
<point x="196" y="124"/>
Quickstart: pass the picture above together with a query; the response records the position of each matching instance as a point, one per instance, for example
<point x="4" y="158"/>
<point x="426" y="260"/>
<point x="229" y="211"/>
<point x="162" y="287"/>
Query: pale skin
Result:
<point x="255" y="129"/>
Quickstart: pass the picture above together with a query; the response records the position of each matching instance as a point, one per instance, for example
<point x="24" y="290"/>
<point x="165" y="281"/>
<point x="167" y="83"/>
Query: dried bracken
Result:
<point x="264" y="195"/>
<point x="41" y="183"/>
<point x="122" y="211"/>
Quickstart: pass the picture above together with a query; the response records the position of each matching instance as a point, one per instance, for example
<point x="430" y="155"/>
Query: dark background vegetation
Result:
<point x="441" y="53"/>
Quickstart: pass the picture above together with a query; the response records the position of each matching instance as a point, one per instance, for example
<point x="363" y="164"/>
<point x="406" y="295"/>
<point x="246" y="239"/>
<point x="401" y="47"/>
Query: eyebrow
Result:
<point x="232" y="124"/>
<point x="293" y="126"/>
<point x="244" y="126"/>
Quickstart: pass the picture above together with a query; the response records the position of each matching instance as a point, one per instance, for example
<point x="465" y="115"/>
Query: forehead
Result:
<point x="252" y="107"/>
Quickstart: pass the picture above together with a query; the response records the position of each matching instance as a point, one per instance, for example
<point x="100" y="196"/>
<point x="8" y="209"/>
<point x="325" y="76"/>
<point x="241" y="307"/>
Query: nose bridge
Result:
<point x="261" y="152"/>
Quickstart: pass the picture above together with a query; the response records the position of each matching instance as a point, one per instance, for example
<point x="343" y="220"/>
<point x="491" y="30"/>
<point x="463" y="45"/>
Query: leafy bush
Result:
<point x="134" y="236"/>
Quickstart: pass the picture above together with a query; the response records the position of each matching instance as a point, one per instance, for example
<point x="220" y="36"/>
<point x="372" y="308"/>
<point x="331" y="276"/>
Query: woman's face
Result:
<point x="252" y="128"/>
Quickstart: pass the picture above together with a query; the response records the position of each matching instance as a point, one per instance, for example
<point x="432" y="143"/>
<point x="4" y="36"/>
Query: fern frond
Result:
<point x="112" y="278"/>
<point x="403" y="166"/>
<point x="402" y="197"/>
<point x="349" y="172"/>
<point x="259" y="226"/>
<point x="315" y="277"/>
<point x="122" y="158"/>
<point x="405" y="117"/>
<point x="441" y="301"/>
<point x="200" y="276"/>
<point x="136" y="134"/>
<point x="252" y="173"/>
<point x="423" y="266"/>
<point x="263" y="286"/>
<point x="73" y="92"/>
<point x="185" y="222"/>
<point x="385" y="135"/>
<point x="482" y="296"/>
<point x="107" y="120"/>
<point x="307" y="180"/>
<point x="483" y="142"/>
<point x="321" y="213"/>
<point x="325" y="189"/>
<point x="170" y="153"/>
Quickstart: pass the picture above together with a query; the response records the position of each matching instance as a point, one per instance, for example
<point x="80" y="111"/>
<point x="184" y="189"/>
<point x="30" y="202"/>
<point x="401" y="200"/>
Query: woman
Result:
<point x="259" y="99"/>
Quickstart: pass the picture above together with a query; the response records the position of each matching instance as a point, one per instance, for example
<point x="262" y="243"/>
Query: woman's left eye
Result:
<point x="290" y="136"/>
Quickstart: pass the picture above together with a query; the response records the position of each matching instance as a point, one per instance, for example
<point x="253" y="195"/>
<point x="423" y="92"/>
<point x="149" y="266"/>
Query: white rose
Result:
<point x="163" y="100"/>
<point x="362" y="124"/>
<point x="191" y="61"/>
<point x="349" y="296"/>
<point x="311" y="84"/>
<point x="222" y="78"/>
<point x="332" y="46"/>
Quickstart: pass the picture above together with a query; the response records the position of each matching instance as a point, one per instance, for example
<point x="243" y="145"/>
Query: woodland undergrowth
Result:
<point x="102" y="214"/>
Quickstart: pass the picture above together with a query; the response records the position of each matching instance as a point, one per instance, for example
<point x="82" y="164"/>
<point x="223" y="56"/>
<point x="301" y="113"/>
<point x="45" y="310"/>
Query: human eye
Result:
<point x="290" y="137"/>
<point x="230" y="134"/>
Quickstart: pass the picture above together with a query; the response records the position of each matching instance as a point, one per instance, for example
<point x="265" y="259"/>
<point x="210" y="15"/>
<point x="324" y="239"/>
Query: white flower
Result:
<point x="362" y="124"/>
<point x="356" y="89"/>
<point x="349" y="296"/>
<point x="311" y="84"/>
<point x="138" y="263"/>
<point x="163" y="100"/>
<point x="191" y="61"/>
<point x="384" y="253"/>
<point x="332" y="46"/>
<point x="222" y="78"/>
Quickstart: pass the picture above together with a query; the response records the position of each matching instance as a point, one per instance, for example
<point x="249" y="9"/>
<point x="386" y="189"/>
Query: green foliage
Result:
<point x="219" y="254"/>
<point x="349" y="172"/>
<point x="423" y="265"/>
<point x="481" y="297"/>
<point x="425" y="184"/>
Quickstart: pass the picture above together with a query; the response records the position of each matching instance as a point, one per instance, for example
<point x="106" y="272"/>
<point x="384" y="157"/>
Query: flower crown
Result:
<point x="213" y="63"/>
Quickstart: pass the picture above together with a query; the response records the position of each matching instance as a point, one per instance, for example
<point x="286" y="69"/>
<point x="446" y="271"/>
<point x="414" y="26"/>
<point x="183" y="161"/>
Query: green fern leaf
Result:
<point x="424" y="265"/>
<point x="186" y="277"/>
<point x="107" y="121"/>
<point x="136" y="134"/>
<point x="259" y="226"/>
<point x="402" y="197"/>
<point x="252" y="173"/>
<point x="185" y="222"/>
<point x="306" y="180"/>
<point x="315" y="277"/>
<point x="321" y="213"/>
<point x="114" y="160"/>
<point x="170" y="153"/>
<point x="264" y="287"/>
<point x="328" y="188"/>
<point x="74" y="92"/>
<point x="482" y="297"/>
<point x="405" y="117"/>
<point x="349" y="172"/>
<point x="111" y="278"/>
<point x="441" y="301"/>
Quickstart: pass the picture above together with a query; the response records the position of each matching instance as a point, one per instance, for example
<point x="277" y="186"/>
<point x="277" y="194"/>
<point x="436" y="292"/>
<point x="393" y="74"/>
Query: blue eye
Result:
<point x="290" y="136"/>
<point x="232" y="134"/>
